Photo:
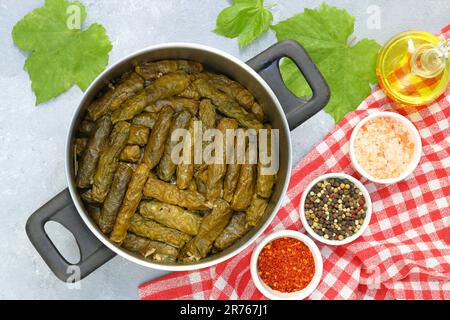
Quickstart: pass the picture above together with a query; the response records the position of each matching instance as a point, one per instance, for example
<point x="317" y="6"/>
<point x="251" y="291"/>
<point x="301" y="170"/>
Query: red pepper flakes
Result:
<point x="286" y="265"/>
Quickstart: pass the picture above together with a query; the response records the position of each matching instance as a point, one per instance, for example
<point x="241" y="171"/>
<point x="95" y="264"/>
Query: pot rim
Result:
<point x="85" y="216"/>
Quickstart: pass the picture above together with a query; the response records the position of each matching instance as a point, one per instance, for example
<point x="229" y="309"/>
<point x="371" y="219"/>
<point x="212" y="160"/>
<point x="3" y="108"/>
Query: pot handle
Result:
<point x="93" y="253"/>
<point x="297" y="110"/>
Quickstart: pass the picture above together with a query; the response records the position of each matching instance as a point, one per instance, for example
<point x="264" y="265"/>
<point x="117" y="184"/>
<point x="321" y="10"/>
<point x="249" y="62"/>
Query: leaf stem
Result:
<point x="351" y="41"/>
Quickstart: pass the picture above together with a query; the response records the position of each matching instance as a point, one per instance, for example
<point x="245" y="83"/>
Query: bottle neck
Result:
<point x="429" y="60"/>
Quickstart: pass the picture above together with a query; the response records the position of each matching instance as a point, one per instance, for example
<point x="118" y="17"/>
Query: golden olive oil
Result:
<point x="413" y="68"/>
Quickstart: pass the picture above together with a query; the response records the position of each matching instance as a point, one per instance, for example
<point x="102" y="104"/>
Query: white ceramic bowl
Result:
<point x="277" y="295"/>
<point x="414" y="134"/>
<point x="356" y="235"/>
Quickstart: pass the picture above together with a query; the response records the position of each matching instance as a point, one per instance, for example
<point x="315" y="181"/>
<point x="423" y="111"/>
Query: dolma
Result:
<point x="230" y="181"/>
<point x="154" y="231"/>
<point x="177" y="104"/>
<point x="258" y="111"/>
<point x="138" y="135"/>
<point x="79" y="145"/>
<point x="185" y="170"/>
<point x="217" y="170"/>
<point x="97" y="142"/>
<point x="167" y="167"/>
<point x="155" y="147"/>
<point x="207" y="114"/>
<point x="256" y="210"/>
<point x="87" y="197"/>
<point x="237" y="228"/>
<point x="201" y="179"/>
<point x="154" y="70"/>
<point x="109" y="160"/>
<point x="171" y="216"/>
<point x="94" y="213"/>
<point x="212" y="226"/>
<point x="130" y="203"/>
<point x="233" y="89"/>
<point x="226" y="105"/>
<point x="245" y="187"/>
<point x="160" y="252"/>
<point x="130" y="154"/>
<point x="189" y="93"/>
<point x="115" y="96"/>
<point x="146" y="119"/>
<point x="154" y="250"/>
<point x="126" y="89"/>
<point x="192" y="186"/>
<point x="114" y="198"/>
<point x="264" y="181"/>
<point x="135" y="243"/>
<point x="131" y="107"/>
<point x="169" y="193"/>
<point x="86" y="127"/>
<point x="163" y="87"/>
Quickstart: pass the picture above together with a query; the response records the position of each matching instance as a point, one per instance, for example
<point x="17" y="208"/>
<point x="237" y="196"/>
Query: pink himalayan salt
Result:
<point x="384" y="148"/>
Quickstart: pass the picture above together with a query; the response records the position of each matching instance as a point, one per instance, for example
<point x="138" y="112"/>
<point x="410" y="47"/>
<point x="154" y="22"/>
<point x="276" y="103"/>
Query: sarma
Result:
<point x="226" y="105"/>
<point x="114" y="198"/>
<point x="264" y="181"/>
<point x="109" y="161"/>
<point x="155" y="147"/>
<point x="138" y="135"/>
<point x="185" y="170"/>
<point x="97" y="142"/>
<point x="131" y="154"/>
<point x="146" y="119"/>
<point x="115" y="96"/>
<point x="154" y="250"/>
<point x="189" y="93"/>
<point x="154" y="231"/>
<point x="169" y="193"/>
<point x="167" y="167"/>
<point x="154" y="70"/>
<point x="171" y="216"/>
<point x="258" y="111"/>
<point x="166" y="86"/>
<point x="201" y="178"/>
<point x="212" y="226"/>
<point x="160" y="252"/>
<point x="231" y="180"/>
<point x="130" y="203"/>
<point x="79" y="145"/>
<point x="177" y="104"/>
<point x="233" y="89"/>
<point x="237" y="228"/>
<point x="256" y="210"/>
<point x="86" y="127"/>
<point x="245" y="187"/>
<point x="217" y="170"/>
<point x="94" y="213"/>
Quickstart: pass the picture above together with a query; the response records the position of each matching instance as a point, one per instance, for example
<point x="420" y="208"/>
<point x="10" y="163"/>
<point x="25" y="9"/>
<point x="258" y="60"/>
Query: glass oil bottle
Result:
<point x="413" y="68"/>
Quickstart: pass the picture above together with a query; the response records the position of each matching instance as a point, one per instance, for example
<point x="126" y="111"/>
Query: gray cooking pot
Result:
<point x="260" y="75"/>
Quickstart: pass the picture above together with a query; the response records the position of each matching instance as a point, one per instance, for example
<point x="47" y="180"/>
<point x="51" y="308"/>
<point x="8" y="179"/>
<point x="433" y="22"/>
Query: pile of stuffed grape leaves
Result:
<point x="144" y="201"/>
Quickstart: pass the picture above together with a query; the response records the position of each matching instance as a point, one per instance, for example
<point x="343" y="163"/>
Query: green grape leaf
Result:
<point x="61" y="54"/>
<point x="349" y="69"/>
<point x="246" y="19"/>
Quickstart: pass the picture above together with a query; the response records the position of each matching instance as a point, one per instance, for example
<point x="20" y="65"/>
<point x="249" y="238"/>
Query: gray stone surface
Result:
<point x="32" y="138"/>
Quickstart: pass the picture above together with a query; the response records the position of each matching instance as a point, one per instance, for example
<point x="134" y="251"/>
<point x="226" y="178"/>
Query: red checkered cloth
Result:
<point x="405" y="251"/>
